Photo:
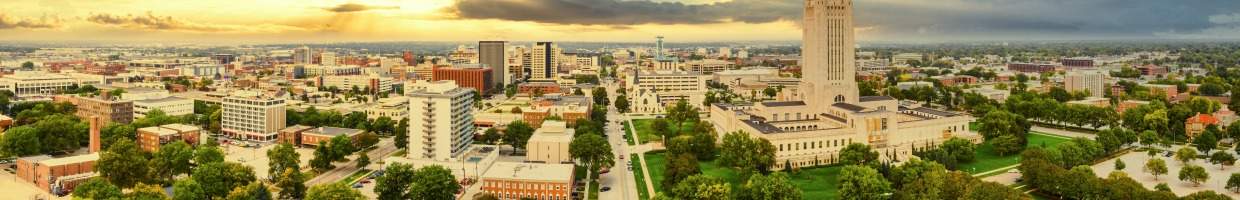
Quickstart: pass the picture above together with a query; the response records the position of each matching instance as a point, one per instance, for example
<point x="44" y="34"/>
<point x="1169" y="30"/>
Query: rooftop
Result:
<point x="333" y="131"/>
<point x="163" y="100"/>
<point x="783" y="103"/>
<point x="849" y="107"/>
<point x="876" y="98"/>
<point x="158" y="131"/>
<point x="530" y="171"/>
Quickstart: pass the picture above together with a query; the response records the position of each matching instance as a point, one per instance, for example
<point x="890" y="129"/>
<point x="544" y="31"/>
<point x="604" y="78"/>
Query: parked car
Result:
<point x="605" y="188"/>
<point x="359" y="185"/>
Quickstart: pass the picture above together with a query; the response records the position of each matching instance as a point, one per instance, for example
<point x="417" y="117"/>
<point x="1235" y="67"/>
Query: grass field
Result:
<point x="815" y="183"/>
<point x="356" y="176"/>
<point x="646" y="136"/>
<point x="637" y="176"/>
<point x="628" y="134"/>
<point x="985" y="158"/>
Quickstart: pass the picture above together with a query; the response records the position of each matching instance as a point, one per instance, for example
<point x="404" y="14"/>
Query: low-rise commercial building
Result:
<point x="510" y="180"/>
<point x="152" y="138"/>
<point x="549" y="144"/>
<point x="172" y="106"/>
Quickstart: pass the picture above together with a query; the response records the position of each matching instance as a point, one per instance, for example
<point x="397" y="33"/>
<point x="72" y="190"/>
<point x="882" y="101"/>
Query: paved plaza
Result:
<point x="1135" y="163"/>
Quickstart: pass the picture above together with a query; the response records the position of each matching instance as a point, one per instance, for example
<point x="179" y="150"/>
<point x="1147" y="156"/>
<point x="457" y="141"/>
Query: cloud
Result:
<point x="44" y="22"/>
<point x="168" y="23"/>
<point x="627" y="12"/>
<point x="353" y="7"/>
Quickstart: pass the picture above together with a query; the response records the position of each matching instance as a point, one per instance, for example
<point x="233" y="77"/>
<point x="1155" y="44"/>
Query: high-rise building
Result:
<point x="544" y="61"/>
<point x="476" y="77"/>
<point x="658" y="48"/>
<point x="1085" y="80"/>
<point x="302" y="55"/>
<point x="111" y="110"/>
<point x="829" y="72"/>
<point x="408" y="57"/>
<point x="327" y="58"/>
<point x="249" y="115"/>
<point x="441" y="120"/>
<point x="493" y="55"/>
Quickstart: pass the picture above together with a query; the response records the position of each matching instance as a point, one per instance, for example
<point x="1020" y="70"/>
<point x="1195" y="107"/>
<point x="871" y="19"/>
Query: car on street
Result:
<point x="359" y="185"/>
<point x="605" y="188"/>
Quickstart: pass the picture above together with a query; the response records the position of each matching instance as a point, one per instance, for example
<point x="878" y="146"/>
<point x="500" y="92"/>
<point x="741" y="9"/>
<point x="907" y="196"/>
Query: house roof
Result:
<point x="1202" y="119"/>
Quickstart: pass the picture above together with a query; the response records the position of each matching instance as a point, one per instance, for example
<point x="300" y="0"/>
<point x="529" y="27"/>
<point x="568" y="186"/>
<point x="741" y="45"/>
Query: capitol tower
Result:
<point x="827" y="53"/>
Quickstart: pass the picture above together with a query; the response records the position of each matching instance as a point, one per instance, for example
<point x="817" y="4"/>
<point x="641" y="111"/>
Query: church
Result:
<point x="826" y="112"/>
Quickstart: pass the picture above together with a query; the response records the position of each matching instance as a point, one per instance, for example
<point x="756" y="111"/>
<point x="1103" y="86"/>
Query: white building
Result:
<point x="249" y="115"/>
<point x="653" y="91"/>
<point x="376" y="83"/>
<point x="905" y="57"/>
<point x="202" y="70"/>
<point x="709" y="66"/>
<point x="544" y="61"/>
<point x="441" y="120"/>
<point x="330" y="70"/>
<point x="1085" y="80"/>
<point x="36" y="83"/>
<point x="830" y="113"/>
<point x="172" y="106"/>
<point x="327" y="58"/>
<point x="549" y="144"/>
<point x="395" y="108"/>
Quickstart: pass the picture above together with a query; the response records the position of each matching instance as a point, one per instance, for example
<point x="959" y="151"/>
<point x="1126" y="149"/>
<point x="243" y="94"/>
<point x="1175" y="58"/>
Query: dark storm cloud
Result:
<point x="353" y="7"/>
<point x="894" y="18"/>
<point x="617" y="12"/>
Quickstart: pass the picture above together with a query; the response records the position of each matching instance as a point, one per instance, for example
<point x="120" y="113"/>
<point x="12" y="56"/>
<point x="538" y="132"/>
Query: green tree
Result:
<point x="679" y="167"/>
<point x="188" y="189"/>
<point x="97" y="188"/>
<point x="146" y="192"/>
<point x="282" y="157"/>
<point x="323" y="157"/>
<point x="1207" y="140"/>
<point x="1222" y="159"/>
<point x="918" y="179"/>
<point x="1119" y="165"/>
<point x="862" y="183"/>
<point x="517" y="134"/>
<point x="990" y="190"/>
<point x="1233" y="183"/>
<point x="171" y="160"/>
<point x="340" y="147"/>
<point x="702" y="187"/>
<point x="395" y="182"/>
<point x="739" y="151"/>
<point x="291" y="183"/>
<point x="592" y="149"/>
<point x="1162" y="187"/>
<point x="362" y="160"/>
<point x="1007" y="144"/>
<point x="999" y="123"/>
<point x="857" y="153"/>
<point x="122" y="164"/>
<point x="775" y="186"/>
<point x="1156" y="167"/>
<point x="334" y="191"/>
<point x="217" y="179"/>
<point x="510" y="91"/>
<point x="622" y="104"/>
<point x="402" y="134"/>
<point x="208" y="154"/>
<point x="1194" y="174"/>
<point x="1185" y="155"/>
<point x="661" y="128"/>
<point x="961" y="149"/>
<point x="20" y="141"/>
<point x="1206" y="195"/>
<point x="28" y="65"/>
<point x="433" y="182"/>
<point x="252" y="191"/>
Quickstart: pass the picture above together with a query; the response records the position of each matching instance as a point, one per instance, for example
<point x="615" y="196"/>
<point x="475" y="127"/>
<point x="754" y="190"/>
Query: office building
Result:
<point x="549" y="144"/>
<point x="1089" y="81"/>
<point x="327" y="58"/>
<point x="250" y="115"/>
<point x="830" y="114"/>
<point x="171" y="106"/>
<point x="59" y="175"/>
<point x="332" y="70"/>
<point x="203" y="70"/>
<point x="375" y="83"/>
<point x="302" y="55"/>
<point x="1031" y="67"/>
<point x="441" y="120"/>
<point x="477" y="77"/>
<point x="36" y="83"/>
<point x="512" y="180"/>
<point x="544" y="61"/>
<point x="492" y="54"/>
<point x="110" y="110"/>
<point x="1077" y="62"/>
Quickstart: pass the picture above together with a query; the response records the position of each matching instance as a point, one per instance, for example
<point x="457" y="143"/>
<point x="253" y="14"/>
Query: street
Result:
<point x="620" y="179"/>
<point x="344" y="169"/>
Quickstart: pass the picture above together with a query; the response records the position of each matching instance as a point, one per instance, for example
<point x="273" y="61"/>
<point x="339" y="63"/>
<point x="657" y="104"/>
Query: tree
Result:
<point x="323" y="157"/>
<point x="1233" y="183"/>
<point x="97" y="188"/>
<point x="622" y="104"/>
<point x="28" y="65"/>
<point x="291" y="183"/>
<point x="146" y="192"/>
<point x="999" y="123"/>
<point x="1007" y="144"/>
<point x="1156" y="167"/>
<point x="334" y="191"/>
<point x="678" y="168"/>
<point x="362" y="160"/>
<point x="918" y="179"/>
<point x="433" y="182"/>
<point x="1162" y="187"/>
<point x="1206" y="195"/>
<point x="282" y="157"/>
<point x="217" y="179"/>
<point x="770" y="92"/>
<point x="1222" y="159"/>
<point x="739" y="151"/>
<point x="1149" y="137"/>
<point x="122" y="164"/>
<point x="517" y="134"/>
<point x="341" y="146"/>
<point x="20" y="141"/>
<point x="775" y="186"/>
<point x="862" y="183"/>
<point x="592" y="149"/>
<point x="1193" y="173"/>
<point x="1185" y="155"/>
<point x="187" y="189"/>
<point x="402" y="134"/>
<point x="510" y="91"/>
<point x="990" y="190"/>
<point x="1119" y="165"/>
<point x="253" y="191"/>
<point x="395" y="182"/>
<point x="171" y="160"/>
<point x="208" y="154"/>
<point x="961" y="149"/>
<point x="857" y="153"/>
<point x="1207" y="140"/>
<point x="702" y="187"/>
<point x="661" y="128"/>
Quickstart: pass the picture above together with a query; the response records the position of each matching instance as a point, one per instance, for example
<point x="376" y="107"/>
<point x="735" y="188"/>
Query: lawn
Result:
<point x="644" y="133"/>
<point x="628" y="134"/>
<point x="815" y="183"/>
<point x="639" y="178"/>
<point x="985" y="158"/>
<point x="356" y="176"/>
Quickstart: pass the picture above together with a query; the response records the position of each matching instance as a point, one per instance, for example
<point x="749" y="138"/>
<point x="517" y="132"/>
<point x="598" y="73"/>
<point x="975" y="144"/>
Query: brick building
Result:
<point x="511" y="180"/>
<point x="473" y="77"/>
<point x="1031" y="67"/>
<point x="152" y="138"/>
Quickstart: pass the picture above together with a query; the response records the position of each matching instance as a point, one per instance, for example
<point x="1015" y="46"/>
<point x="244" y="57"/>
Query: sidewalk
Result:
<point x="641" y="154"/>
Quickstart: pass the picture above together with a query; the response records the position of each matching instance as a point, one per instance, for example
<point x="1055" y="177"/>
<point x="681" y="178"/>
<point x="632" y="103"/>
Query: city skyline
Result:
<point x="272" y="21"/>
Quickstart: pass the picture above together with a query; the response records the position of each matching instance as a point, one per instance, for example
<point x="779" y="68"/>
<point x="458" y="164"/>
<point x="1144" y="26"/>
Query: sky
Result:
<point x="319" y="21"/>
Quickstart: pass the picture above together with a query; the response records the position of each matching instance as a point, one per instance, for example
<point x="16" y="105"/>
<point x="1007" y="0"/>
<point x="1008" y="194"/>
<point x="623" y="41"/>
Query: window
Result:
<point x="839" y="98"/>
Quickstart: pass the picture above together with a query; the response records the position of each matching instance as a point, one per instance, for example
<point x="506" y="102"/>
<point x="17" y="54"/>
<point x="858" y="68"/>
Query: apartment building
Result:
<point x="441" y="121"/>
<point x="152" y="138"/>
<point x="250" y="115"/>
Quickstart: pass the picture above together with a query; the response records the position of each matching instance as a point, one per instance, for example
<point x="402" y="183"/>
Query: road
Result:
<point x="620" y="179"/>
<point x="344" y="169"/>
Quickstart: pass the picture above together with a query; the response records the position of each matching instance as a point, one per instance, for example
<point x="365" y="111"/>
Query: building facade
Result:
<point x="441" y="121"/>
<point x="549" y="144"/>
<point x="1090" y="81"/>
<point x="249" y="115"/>
<point x="172" y="106"/>
<point x="492" y="54"/>
<point x="511" y="180"/>
<point x="544" y="61"/>
<point x="478" y="78"/>
<point x="152" y="138"/>
<point x="111" y="111"/>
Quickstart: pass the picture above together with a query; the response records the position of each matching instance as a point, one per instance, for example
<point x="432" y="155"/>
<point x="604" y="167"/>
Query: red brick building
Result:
<point x="477" y="78"/>
<point x="152" y="138"/>
<point x="1077" y="62"/>
<point x="528" y="88"/>
<point x="1031" y="67"/>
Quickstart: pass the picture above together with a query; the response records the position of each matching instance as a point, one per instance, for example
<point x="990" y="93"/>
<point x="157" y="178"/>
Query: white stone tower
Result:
<point x="828" y="72"/>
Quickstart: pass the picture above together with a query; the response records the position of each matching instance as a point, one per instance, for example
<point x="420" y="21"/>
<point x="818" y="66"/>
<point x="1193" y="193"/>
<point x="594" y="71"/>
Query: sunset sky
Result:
<point x="268" y="21"/>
